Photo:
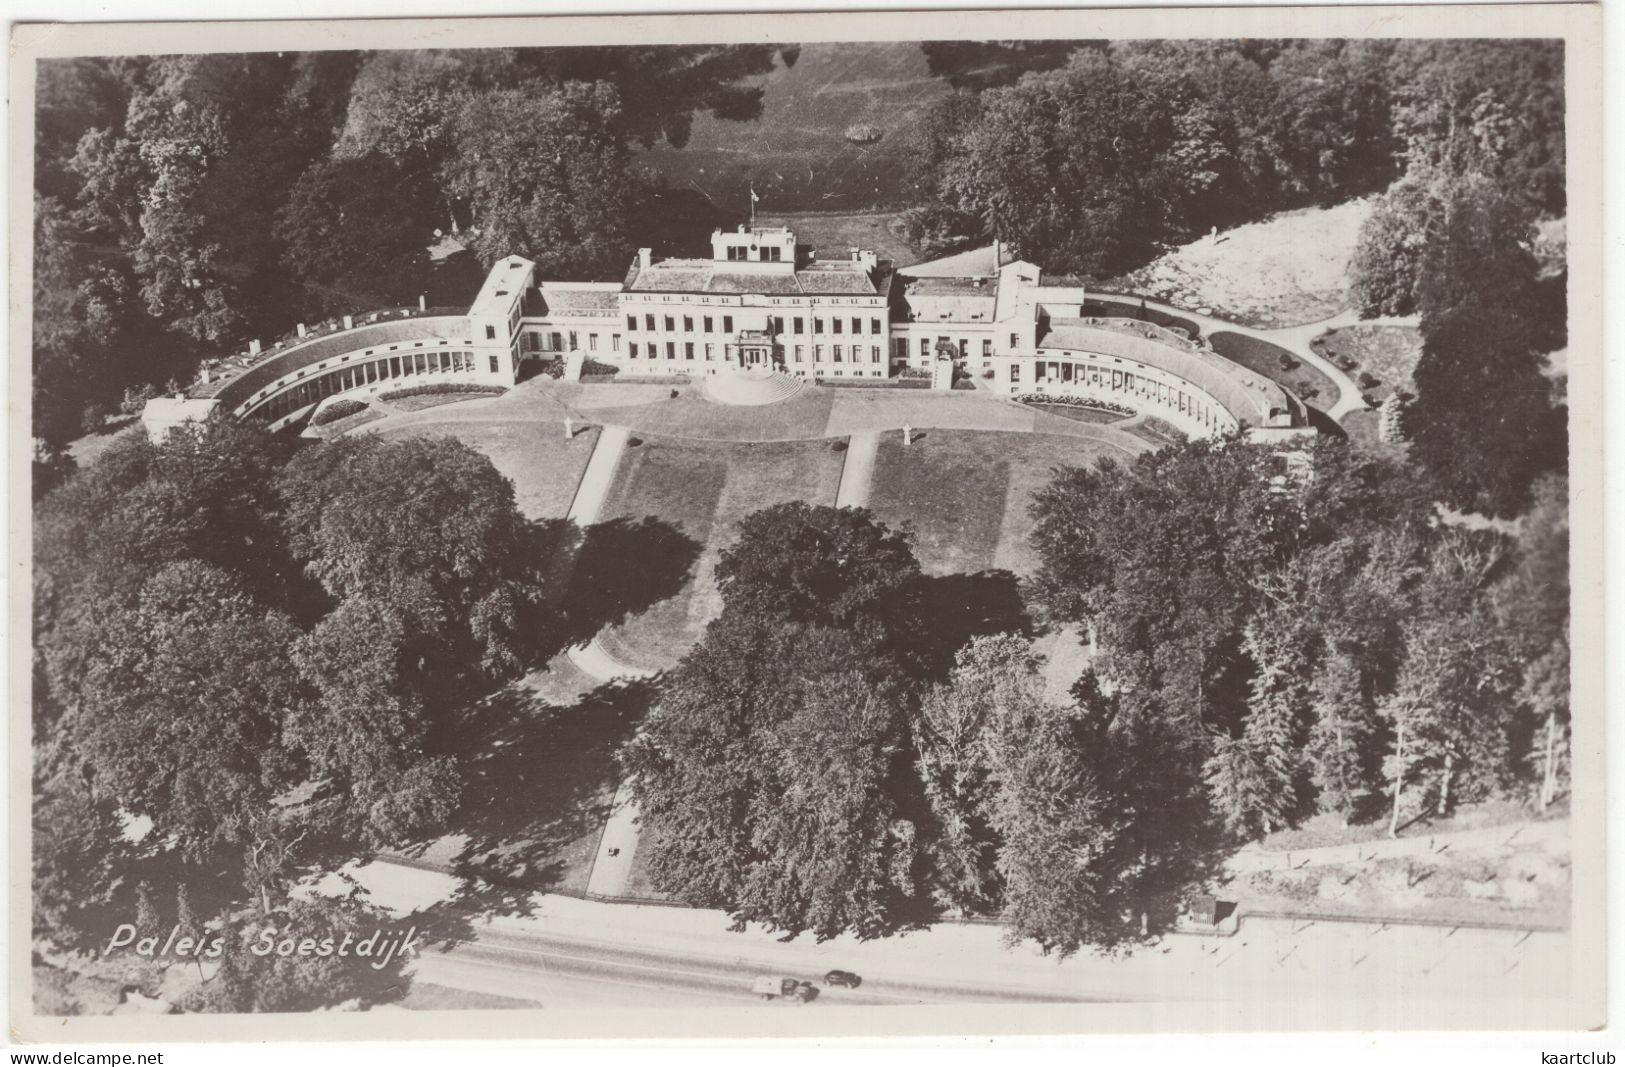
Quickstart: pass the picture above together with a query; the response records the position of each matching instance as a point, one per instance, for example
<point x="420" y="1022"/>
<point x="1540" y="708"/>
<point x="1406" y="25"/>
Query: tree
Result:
<point x="821" y="566"/>
<point x="1478" y="256"/>
<point x="356" y="231"/>
<point x="427" y="526"/>
<point x="183" y="706"/>
<point x="766" y="780"/>
<point x="989" y="673"/>
<point x="1386" y="267"/>
<point x="545" y="173"/>
<point x="250" y="981"/>
<point x="368" y="732"/>
<point x="79" y="858"/>
<point x="1532" y="604"/>
<point x="1254" y="777"/>
<point x="1452" y="706"/>
<point x="1069" y="865"/>
<point x="1483" y="424"/>
<point x="1484" y="107"/>
<point x="1159" y="557"/>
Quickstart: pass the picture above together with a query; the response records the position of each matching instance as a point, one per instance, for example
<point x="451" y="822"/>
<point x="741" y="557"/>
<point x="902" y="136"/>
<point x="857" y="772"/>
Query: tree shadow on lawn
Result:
<point x="954" y="608"/>
<point x="606" y="574"/>
<point x="540" y="780"/>
<point x="623" y="568"/>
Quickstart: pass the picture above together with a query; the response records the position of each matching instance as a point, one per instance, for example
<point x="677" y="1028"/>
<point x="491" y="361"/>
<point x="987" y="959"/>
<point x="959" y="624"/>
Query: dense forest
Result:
<point x="265" y="649"/>
<point x="185" y="204"/>
<point x="829" y="759"/>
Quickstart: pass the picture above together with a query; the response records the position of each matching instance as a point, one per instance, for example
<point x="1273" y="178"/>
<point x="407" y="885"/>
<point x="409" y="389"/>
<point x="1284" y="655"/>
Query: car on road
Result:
<point x="770" y="986"/>
<point x="843" y="978"/>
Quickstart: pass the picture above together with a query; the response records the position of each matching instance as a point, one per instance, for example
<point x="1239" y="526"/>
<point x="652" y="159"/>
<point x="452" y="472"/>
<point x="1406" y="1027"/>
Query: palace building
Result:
<point x="761" y="305"/>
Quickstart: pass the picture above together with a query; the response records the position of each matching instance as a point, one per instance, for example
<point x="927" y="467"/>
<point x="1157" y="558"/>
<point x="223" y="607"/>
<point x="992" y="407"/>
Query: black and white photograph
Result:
<point x="1021" y="522"/>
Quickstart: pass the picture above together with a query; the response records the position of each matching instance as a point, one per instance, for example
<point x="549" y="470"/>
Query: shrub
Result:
<point x="1286" y="361"/>
<point x="595" y="368"/>
<point x="1368" y="380"/>
<point x="338" y="409"/>
<point x="1076" y="402"/>
<point x="1306" y="390"/>
<point x="987" y="375"/>
<point x="913" y="372"/>
<point x="442" y="387"/>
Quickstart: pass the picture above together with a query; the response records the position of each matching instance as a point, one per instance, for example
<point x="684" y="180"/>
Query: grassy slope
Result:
<point x="966" y="493"/>
<point x="544" y="467"/>
<point x="703" y="489"/>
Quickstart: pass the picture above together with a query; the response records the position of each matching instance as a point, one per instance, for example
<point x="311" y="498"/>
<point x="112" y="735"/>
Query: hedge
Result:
<point x="442" y="387"/>
<point x="338" y="409"/>
<point x="1076" y="402"/>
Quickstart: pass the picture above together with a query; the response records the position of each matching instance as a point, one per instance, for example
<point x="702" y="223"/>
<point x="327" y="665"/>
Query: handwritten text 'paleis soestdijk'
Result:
<point x="378" y="948"/>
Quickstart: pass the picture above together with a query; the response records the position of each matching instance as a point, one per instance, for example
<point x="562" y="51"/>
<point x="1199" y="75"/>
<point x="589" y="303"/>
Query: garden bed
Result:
<point x="876" y="383"/>
<point x="1077" y="409"/>
<point x="1385" y="355"/>
<point x="1312" y="385"/>
<point x="1158" y="432"/>
<point x="1129" y="308"/>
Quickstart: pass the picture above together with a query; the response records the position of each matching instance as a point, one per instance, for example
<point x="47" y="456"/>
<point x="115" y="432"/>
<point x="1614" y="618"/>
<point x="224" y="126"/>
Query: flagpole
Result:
<point x="753" y="207"/>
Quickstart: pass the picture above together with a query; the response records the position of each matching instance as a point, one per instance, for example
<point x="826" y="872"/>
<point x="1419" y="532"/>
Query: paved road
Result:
<point x="623" y="954"/>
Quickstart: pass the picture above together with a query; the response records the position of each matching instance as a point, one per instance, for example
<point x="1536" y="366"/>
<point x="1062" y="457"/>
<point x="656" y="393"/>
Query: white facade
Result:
<point x="758" y="301"/>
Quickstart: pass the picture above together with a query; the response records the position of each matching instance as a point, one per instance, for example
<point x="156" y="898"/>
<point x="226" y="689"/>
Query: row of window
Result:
<point x="385" y="368"/>
<point x="776" y="324"/>
<point x="960" y="347"/>
<point x="838" y="353"/>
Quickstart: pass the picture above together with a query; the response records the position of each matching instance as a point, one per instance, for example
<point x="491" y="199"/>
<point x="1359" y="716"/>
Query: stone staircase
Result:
<point x="751" y="388"/>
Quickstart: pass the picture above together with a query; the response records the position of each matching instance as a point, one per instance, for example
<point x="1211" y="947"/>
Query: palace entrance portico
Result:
<point x="754" y="349"/>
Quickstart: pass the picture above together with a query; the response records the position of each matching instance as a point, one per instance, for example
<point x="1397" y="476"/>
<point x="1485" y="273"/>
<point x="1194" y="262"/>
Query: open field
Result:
<point x="698" y="491"/>
<point x="796" y="153"/>
<point x="966" y="493"/>
<point x="831" y="234"/>
<point x="1387" y="353"/>
<point x="1285" y="271"/>
<point x="544" y="467"/>
<point x="1262" y="357"/>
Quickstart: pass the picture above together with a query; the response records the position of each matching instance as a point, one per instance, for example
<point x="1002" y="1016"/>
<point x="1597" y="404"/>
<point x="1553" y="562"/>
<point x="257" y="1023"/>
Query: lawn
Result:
<point x="1262" y="357"/>
<point x="544" y="467"/>
<point x="966" y="493"/>
<point x="698" y="491"/>
<point x="1387" y="353"/>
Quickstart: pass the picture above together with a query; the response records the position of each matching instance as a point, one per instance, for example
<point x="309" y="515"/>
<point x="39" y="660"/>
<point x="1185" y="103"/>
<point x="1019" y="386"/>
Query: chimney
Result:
<point x="301" y="329"/>
<point x="423" y="302"/>
<point x="644" y="257"/>
<point x="349" y="322"/>
<point x="206" y="376"/>
<point x="254" y="347"/>
<point x="853" y="252"/>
